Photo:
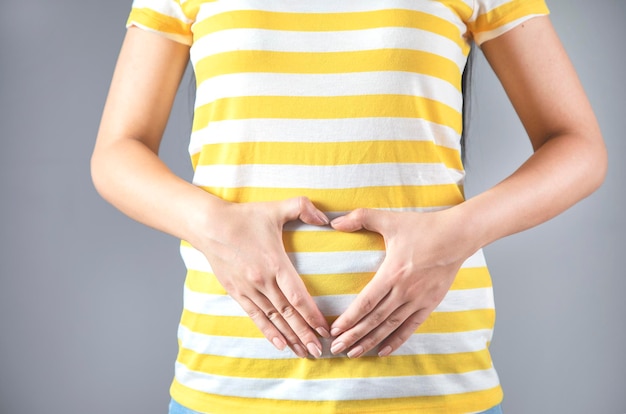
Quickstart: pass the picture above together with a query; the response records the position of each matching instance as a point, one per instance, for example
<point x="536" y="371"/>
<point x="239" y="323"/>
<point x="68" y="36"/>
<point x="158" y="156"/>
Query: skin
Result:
<point x="243" y="244"/>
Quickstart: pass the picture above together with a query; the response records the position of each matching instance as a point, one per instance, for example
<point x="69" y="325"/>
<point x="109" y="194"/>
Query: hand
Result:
<point x="423" y="255"/>
<point x="246" y="252"/>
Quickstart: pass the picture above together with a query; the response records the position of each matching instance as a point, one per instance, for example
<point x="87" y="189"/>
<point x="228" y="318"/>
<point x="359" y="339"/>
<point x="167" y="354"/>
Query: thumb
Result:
<point x="303" y="209"/>
<point x="361" y="218"/>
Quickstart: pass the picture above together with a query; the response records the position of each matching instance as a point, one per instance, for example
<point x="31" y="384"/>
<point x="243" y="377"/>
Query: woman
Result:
<point x="326" y="213"/>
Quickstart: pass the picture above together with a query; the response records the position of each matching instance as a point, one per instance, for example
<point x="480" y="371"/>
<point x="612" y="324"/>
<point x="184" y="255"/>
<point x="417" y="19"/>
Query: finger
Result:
<point x="373" y="327"/>
<point x="365" y="302"/>
<point x="298" y="308"/>
<point x="359" y="338"/>
<point x="380" y="332"/>
<point x="273" y="325"/>
<point x="303" y="332"/>
<point x="260" y="319"/>
<point x="362" y="218"/>
<point x="303" y="209"/>
<point x="404" y="332"/>
<point x="294" y="290"/>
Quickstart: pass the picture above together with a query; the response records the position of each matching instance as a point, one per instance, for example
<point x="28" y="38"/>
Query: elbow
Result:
<point x="98" y="172"/>
<point x="603" y="167"/>
<point x="597" y="163"/>
<point x="96" y="175"/>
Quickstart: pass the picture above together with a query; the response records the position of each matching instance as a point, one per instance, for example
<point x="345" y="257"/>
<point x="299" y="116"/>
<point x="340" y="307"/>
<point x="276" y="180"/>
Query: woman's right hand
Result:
<point x="243" y="244"/>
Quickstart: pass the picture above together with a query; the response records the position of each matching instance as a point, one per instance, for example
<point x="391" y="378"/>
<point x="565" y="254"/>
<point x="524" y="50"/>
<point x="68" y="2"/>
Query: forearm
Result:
<point x="132" y="178"/>
<point x="570" y="158"/>
<point x="563" y="171"/>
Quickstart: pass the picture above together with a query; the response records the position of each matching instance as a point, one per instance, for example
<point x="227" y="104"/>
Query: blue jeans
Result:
<point x="176" y="408"/>
<point x="495" y="410"/>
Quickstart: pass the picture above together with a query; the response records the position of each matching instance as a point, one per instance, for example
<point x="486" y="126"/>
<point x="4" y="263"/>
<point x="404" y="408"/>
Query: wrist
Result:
<point x="469" y="229"/>
<point x="204" y="218"/>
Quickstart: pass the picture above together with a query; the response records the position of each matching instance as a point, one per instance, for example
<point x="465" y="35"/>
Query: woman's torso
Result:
<point x="352" y="104"/>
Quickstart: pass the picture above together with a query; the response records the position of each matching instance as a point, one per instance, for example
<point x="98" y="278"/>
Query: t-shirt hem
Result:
<point x="492" y="397"/>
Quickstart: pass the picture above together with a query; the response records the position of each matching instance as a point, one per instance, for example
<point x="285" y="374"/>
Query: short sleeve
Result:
<point x="491" y="18"/>
<point x="165" y="17"/>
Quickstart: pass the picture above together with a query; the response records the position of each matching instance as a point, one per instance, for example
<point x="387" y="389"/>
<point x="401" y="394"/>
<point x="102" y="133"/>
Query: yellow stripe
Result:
<point x="203" y="282"/>
<point x="329" y="22"/>
<point x="334" y="107"/>
<point x="191" y="7"/>
<point x="329" y="153"/>
<point x="337" y="284"/>
<point x="405" y="60"/>
<point x="242" y="326"/>
<point x="346" y="284"/>
<point x="317" y="285"/>
<point x="472" y="278"/>
<point x="160" y="22"/>
<point x="350" y="198"/>
<point x="444" y="404"/>
<point x="195" y="158"/>
<point x="508" y="13"/>
<point x="334" y="368"/>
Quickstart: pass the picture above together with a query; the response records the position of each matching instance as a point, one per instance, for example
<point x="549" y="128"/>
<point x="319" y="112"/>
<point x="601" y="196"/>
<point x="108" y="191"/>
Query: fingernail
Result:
<point x="279" y="343"/>
<point x="337" y="348"/>
<point x="299" y="351"/>
<point x="385" y="351"/>
<point x="337" y="220"/>
<point x="335" y="332"/>
<point x="314" y="350"/>
<point x="355" y="352"/>
<point x="322" y="217"/>
<point x="323" y="332"/>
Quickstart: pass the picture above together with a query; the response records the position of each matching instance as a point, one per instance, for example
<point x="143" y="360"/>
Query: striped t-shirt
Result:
<point x="352" y="103"/>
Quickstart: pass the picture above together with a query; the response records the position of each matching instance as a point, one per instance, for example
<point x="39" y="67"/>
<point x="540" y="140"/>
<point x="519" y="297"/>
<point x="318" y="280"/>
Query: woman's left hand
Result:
<point x="424" y="252"/>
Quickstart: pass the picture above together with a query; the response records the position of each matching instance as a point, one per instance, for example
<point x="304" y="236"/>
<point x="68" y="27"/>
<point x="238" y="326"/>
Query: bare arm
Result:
<point x="570" y="159"/>
<point x="568" y="164"/>
<point x="243" y="242"/>
<point x="125" y="167"/>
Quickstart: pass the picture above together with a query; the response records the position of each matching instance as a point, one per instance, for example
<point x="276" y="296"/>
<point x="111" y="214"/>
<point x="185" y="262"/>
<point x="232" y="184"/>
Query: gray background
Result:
<point x="89" y="300"/>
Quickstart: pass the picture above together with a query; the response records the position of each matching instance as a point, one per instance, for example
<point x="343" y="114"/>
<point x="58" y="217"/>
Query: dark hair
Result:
<point x="466" y="81"/>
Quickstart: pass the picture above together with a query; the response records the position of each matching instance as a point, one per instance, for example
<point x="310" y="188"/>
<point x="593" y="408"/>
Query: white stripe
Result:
<point x="485" y="7"/>
<point x="337" y="262"/>
<point x="323" y="130"/>
<point x="305" y="263"/>
<point x="460" y="300"/>
<point x="300" y="226"/>
<point x="475" y="260"/>
<point x="325" y="177"/>
<point x="261" y="348"/>
<point x="168" y="8"/>
<point x="321" y="263"/>
<point x="338" y="389"/>
<point x="223" y="305"/>
<point x="184" y="39"/>
<point x="482" y="37"/>
<point x="209" y="9"/>
<point x="328" y="42"/>
<point x="328" y="85"/>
